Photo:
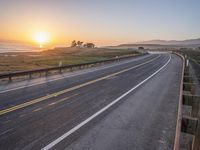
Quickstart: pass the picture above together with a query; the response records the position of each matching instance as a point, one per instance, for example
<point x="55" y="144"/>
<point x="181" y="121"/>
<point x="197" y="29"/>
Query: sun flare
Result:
<point x="41" y="38"/>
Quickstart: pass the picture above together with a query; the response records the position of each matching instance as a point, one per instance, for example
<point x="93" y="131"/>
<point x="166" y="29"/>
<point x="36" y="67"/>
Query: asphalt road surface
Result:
<point x="130" y="104"/>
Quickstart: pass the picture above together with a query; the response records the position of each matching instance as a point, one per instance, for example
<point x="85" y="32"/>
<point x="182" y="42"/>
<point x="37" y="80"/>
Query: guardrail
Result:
<point x="179" y="115"/>
<point x="189" y="124"/>
<point x="30" y="73"/>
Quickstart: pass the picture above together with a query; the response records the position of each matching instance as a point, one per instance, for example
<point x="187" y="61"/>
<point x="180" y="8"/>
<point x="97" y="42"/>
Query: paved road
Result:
<point x="127" y="105"/>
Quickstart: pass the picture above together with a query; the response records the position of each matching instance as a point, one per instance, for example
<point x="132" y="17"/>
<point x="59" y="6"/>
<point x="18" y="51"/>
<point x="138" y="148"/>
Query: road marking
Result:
<point x="62" y="100"/>
<point x="6" y="131"/>
<point x="113" y="77"/>
<point x="19" y="106"/>
<point x="52" y="144"/>
<point x="38" y="109"/>
<point x="68" y="76"/>
<point x="22" y="115"/>
<point x="52" y="104"/>
<point x="7" y="121"/>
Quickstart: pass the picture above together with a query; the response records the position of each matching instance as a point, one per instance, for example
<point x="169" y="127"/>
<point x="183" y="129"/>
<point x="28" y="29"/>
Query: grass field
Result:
<point x="11" y="62"/>
<point x="194" y="56"/>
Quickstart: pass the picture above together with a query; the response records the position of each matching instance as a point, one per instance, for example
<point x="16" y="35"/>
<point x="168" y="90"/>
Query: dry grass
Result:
<point x="10" y="62"/>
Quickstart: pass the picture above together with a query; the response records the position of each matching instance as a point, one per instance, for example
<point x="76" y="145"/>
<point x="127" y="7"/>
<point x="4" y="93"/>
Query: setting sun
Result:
<point x="41" y="38"/>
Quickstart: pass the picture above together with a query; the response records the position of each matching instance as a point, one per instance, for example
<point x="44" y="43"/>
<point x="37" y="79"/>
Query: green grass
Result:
<point x="193" y="54"/>
<point x="12" y="62"/>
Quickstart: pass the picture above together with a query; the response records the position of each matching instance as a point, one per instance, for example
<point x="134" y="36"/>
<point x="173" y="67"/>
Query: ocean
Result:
<point x="17" y="47"/>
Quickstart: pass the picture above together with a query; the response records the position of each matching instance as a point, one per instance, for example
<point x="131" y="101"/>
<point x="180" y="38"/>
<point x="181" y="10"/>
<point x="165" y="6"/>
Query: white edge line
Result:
<point x="6" y="131"/>
<point x="52" y="144"/>
<point x="68" y="76"/>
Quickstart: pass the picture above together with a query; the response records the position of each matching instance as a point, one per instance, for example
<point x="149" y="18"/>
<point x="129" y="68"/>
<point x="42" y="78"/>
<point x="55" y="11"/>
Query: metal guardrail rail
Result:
<point x="188" y="124"/>
<point x="9" y="76"/>
<point x="179" y="115"/>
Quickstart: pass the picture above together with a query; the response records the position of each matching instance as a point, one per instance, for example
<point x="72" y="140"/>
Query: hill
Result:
<point x="172" y="42"/>
<point x="163" y="44"/>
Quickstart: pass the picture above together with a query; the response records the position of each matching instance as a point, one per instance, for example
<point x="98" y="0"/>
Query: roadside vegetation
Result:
<point x="194" y="57"/>
<point x="194" y="54"/>
<point x="81" y="44"/>
<point x="11" y="62"/>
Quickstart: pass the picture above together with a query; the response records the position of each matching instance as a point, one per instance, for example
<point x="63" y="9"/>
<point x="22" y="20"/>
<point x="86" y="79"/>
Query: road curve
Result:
<point x="128" y="105"/>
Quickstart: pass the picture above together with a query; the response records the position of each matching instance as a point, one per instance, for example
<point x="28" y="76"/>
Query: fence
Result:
<point x="59" y="69"/>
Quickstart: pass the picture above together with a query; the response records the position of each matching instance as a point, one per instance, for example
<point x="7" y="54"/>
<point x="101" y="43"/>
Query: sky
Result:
<point x="103" y="22"/>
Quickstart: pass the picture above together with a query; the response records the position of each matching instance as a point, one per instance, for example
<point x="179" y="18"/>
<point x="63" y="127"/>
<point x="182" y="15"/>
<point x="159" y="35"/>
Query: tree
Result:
<point x="79" y="43"/>
<point x="73" y="44"/>
<point x="89" y="45"/>
<point x="140" y="47"/>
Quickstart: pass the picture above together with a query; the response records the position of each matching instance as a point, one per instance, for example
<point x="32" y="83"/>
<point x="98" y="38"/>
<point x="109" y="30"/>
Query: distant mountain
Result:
<point x="162" y="44"/>
<point x="172" y="42"/>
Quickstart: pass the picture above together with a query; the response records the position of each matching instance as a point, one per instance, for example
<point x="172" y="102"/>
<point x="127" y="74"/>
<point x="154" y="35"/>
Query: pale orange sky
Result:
<point x="102" y="22"/>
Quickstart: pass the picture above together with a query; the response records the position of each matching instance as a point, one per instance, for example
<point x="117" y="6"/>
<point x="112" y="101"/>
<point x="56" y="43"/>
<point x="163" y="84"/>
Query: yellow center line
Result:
<point x="19" y="106"/>
<point x="62" y="100"/>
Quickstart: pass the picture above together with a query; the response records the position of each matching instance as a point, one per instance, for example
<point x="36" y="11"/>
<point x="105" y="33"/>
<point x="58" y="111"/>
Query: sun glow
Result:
<point x="41" y="38"/>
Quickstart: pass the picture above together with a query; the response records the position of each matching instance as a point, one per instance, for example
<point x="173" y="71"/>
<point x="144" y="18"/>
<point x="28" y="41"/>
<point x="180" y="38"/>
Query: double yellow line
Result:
<point x="19" y="106"/>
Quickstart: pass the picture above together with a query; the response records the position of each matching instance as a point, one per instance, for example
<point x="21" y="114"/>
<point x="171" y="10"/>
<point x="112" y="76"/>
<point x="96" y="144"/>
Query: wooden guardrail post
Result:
<point x="60" y="70"/>
<point x="189" y="124"/>
<point x="30" y="76"/>
<point x="192" y="100"/>
<point x="189" y="87"/>
<point x="46" y="73"/>
<point x="196" y="138"/>
<point x="188" y="79"/>
<point x="10" y="78"/>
